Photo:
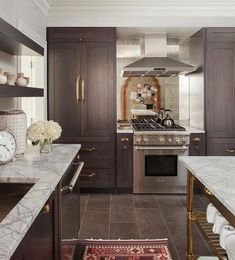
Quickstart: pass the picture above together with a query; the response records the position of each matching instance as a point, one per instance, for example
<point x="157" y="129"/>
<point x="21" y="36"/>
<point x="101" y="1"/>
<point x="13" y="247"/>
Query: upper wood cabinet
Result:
<point x="220" y="90"/>
<point x="82" y="97"/>
<point x="212" y="52"/>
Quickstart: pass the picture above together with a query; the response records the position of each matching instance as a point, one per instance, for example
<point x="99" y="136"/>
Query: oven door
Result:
<point x="157" y="169"/>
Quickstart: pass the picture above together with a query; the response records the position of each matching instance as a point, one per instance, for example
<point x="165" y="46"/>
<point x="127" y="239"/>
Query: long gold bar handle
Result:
<point x="83" y="89"/>
<point x="78" y="88"/>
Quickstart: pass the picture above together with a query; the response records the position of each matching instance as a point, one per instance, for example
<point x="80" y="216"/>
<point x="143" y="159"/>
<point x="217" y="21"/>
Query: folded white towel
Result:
<point x="225" y="232"/>
<point x="220" y="221"/>
<point x="211" y="213"/>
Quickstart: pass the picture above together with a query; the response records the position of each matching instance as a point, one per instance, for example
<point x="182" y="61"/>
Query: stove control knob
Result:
<point x="183" y="140"/>
<point x="138" y="139"/>
<point x="162" y="140"/>
<point x="170" y="140"/>
<point x="177" y="140"/>
<point x="145" y="139"/>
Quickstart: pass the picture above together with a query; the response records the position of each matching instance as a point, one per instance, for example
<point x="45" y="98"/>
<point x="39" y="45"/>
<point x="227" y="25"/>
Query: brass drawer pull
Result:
<point x="124" y="139"/>
<point x="89" y="175"/>
<point x="46" y="208"/>
<point x="230" y="150"/>
<point x="196" y="139"/>
<point x="92" y="149"/>
<point x="83" y="89"/>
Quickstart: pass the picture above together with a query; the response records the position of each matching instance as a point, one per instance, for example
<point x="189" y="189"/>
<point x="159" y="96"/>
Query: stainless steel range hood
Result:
<point x="155" y="61"/>
<point x="156" y="66"/>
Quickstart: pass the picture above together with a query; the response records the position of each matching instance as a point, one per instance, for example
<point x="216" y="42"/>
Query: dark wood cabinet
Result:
<point x="41" y="242"/>
<point x="197" y="144"/>
<point x="82" y="98"/>
<point x="212" y="52"/>
<point x="124" y="161"/>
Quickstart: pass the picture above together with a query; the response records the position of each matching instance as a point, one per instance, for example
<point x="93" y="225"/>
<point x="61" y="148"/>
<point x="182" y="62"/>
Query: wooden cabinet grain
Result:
<point x="212" y="52"/>
<point x="41" y="242"/>
<point x="82" y="96"/>
<point x="197" y="144"/>
<point x="124" y="161"/>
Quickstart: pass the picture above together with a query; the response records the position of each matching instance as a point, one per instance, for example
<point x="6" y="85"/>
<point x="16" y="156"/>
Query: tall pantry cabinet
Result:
<point x="212" y="52"/>
<point x="82" y="96"/>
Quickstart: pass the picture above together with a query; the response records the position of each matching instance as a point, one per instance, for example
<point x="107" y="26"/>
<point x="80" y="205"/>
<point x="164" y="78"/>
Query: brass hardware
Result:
<point x="92" y="149"/>
<point x="83" y="89"/>
<point x="124" y="147"/>
<point x="46" y="208"/>
<point x="89" y="175"/>
<point x="78" y="88"/>
<point x="124" y="139"/>
<point x="207" y="191"/>
<point x="230" y="150"/>
<point x="196" y="139"/>
<point x="191" y="216"/>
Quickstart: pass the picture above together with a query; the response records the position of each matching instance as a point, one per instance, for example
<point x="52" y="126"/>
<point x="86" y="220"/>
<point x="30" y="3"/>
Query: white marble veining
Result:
<point x="42" y="170"/>
<point x="217" y="173"/>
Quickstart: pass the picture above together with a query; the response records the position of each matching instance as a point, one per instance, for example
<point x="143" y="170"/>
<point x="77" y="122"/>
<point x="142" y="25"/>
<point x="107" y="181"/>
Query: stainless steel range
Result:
<point x="156" y="151"/>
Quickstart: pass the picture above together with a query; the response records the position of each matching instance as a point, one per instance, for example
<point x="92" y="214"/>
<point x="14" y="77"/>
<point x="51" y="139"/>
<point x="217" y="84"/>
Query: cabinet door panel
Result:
<point x="63" y="71"/>
<point x="221" y="147"/>
<point x="220" y="105"/>
<point x="98" y="107"/>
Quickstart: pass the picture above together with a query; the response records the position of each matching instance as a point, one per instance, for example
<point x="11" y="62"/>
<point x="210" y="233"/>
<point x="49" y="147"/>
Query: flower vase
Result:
<point x="45" y="146"/>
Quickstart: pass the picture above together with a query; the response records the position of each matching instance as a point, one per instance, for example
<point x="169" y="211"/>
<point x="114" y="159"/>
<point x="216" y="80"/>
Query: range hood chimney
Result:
<point x="155" y="61"/>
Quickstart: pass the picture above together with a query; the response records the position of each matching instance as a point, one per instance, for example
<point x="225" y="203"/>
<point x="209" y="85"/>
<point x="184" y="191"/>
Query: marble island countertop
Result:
<point x="217" y="173"/>
<point x="45" y="172"/>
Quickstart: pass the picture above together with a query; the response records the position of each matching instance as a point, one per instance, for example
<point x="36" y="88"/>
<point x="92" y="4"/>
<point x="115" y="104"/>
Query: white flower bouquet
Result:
<point x="43" y="133"/>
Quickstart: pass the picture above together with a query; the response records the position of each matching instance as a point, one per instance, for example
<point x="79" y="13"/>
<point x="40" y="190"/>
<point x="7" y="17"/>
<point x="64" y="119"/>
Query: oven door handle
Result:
<point x="69" y="188"/>
<point x="181" y="148"/>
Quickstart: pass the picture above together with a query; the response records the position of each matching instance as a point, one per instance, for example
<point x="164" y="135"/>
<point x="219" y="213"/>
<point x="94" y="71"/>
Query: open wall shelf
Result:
<point x="17" y="91"/>
<point x="14" y="42"/>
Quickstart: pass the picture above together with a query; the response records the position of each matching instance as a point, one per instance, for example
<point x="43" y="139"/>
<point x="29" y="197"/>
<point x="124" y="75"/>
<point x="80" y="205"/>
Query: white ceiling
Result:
<point x="164" y="14"/>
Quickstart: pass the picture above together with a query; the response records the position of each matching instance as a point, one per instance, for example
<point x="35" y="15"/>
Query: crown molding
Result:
<point x="43" y="5"/>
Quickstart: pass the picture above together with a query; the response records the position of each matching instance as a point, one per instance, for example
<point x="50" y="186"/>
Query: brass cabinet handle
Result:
<point x="78" y="88"/>
<point x="196" y="139"/>
<point x="46" y="208"/>
<point x="88" y="175"/>
<point x="92" y="149"/>
<point x="124" y="139"/>
<point x="83" y="89"/>
<point x="230" y="150"/>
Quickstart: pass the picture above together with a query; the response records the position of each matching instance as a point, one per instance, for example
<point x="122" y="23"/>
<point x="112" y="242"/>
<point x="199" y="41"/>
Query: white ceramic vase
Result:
<point x="3" y="78"/>
<point x="21" y="81"/>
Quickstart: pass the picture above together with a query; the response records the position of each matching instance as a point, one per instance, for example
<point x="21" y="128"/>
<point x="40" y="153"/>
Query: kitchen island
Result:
<point x="44" y="172"/>
<point x="216" y="176"/>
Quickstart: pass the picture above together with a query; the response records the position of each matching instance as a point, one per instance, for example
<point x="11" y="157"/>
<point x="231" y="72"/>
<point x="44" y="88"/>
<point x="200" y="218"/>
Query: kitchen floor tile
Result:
<point x="99" y="201"/>
<point x="145" y="201"/>
<point x="95" y="224"/>
<point x="124" y="231"/>
<point x="122" y="202"/>
<point x="153" y="230"/>
<point x="168" y="201"/>
<point x="83" y="204"/>
<point x="149" y="215"/>
<point x="122" y="215"/>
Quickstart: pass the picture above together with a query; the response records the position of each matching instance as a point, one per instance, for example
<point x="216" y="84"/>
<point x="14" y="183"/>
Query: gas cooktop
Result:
<point x="152" y="125"/>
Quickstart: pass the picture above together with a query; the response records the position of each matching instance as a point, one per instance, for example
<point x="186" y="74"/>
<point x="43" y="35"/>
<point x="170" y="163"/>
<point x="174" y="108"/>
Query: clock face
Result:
<point x="7" y="146"/>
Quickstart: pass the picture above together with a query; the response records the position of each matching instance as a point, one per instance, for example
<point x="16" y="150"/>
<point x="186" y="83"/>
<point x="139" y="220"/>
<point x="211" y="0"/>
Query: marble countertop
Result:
<point x="217" y="173"/>
<point x="45" y="172"/>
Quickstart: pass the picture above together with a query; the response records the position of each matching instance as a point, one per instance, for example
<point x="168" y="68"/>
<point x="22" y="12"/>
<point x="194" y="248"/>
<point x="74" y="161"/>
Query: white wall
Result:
<point x="31" y="20"/>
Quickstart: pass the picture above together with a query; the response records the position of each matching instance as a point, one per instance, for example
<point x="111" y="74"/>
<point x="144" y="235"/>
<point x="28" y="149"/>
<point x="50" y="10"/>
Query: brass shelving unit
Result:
<point x="200" y="220"/>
